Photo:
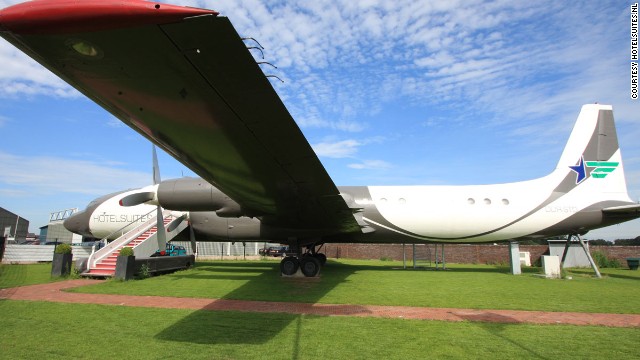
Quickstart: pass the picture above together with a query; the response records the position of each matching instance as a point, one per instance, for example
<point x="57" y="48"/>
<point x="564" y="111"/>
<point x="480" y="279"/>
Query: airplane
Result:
<point x="184" y="79"/>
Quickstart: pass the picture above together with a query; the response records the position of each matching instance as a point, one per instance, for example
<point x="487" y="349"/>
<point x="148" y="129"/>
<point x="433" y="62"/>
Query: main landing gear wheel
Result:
<point x="310" y="266"/>
<point x="321" y="257"/>
<point x="289" y="265"/>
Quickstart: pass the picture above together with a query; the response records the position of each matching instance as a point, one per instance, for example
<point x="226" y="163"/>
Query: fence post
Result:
<point x="3" y="241"/>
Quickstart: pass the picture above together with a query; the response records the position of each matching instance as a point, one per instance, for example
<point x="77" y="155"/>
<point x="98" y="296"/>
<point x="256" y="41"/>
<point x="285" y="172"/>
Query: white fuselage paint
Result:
<point x="480" y="213"/>
<point x="111" y="220"/>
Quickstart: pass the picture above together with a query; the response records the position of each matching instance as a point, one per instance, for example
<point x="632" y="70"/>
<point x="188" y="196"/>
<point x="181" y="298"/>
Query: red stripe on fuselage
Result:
<point x="76" y="16"/>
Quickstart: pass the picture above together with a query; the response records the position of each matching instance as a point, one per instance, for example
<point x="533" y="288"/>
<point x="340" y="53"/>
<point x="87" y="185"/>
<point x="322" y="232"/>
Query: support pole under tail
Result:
<point x="404" y="257"/>
<point x="444" y="262"/>
<point x="586" y="251"/>
<point x="414" y="256"/>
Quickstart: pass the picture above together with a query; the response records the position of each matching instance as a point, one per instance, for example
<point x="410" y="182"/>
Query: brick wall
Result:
<point x="618" y="252"/>
<point x="459" y="253"/>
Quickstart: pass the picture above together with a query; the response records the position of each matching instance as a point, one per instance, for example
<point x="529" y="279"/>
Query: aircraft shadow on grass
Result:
<point x="263" y="283"/>
<point x="235" y="327"/>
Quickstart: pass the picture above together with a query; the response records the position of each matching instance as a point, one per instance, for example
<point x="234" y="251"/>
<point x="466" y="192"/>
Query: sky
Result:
<point x="386" y="92"/>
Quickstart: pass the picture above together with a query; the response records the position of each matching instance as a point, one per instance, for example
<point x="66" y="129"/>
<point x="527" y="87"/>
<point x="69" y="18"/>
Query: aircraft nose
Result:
<point x="79" y="223"/>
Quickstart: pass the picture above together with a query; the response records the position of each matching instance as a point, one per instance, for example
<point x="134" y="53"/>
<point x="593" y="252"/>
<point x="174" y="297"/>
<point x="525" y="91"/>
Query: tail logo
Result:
<point x="602" y="168"/>
<point x="596" y="169"/>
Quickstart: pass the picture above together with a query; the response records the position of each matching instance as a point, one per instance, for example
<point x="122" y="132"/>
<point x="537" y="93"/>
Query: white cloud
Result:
<point x="21" y="75"/>
<point x="371" y="165"/>
<point x="351" y="57"/>
<point x="114" y="122"/>
<point x="339" y="149"/>
<point x="48" y="175"/>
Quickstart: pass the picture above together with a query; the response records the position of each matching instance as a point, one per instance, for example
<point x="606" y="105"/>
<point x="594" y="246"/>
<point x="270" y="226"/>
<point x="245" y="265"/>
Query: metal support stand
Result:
<point x="586" y="252"/>
<point x="414" y="256"/>
<point x="442" y="262"/>
<point x="404" y="257"/>
<point x="566" y="251"/>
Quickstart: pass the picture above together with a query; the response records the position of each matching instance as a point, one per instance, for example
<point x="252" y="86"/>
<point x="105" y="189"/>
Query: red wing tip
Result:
<point x="69" y="16"/>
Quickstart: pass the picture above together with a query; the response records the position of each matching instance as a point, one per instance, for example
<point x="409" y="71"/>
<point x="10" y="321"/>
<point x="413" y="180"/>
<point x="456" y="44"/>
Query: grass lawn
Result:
<point x="385" y="283"/>
<point x="18" y="275"/>
<point x="62" y="331"/>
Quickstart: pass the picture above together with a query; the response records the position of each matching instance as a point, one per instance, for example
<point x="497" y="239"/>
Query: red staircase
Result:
<point x="107" y="266"/>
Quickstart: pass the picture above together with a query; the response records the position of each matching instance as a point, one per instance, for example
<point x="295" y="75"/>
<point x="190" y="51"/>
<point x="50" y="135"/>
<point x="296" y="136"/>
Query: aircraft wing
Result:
<point x="185" y="80"/>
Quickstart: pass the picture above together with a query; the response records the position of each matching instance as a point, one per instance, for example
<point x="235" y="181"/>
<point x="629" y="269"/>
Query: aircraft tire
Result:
<point x="321" y="257"/>
<point x="289" y="265"/>
<point x="310" y="266"/>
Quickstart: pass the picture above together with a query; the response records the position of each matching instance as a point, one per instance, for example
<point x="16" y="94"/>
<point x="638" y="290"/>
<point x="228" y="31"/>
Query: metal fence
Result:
<point x="206" y="250"/>
<point x="35" y="253"/>
<point x="222" y="249"/>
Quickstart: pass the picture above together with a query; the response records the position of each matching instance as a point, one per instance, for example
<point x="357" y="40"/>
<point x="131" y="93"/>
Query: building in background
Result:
<point x="13" y="227"/>
<point x="56" y="232"/>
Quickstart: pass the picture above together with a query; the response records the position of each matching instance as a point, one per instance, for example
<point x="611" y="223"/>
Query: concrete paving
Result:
<point x="54" y="292"/>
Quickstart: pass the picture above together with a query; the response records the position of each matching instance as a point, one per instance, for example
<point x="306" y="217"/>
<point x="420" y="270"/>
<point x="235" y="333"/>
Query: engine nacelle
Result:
<point x="191" y="194"/>
<point x="208" y="225"/>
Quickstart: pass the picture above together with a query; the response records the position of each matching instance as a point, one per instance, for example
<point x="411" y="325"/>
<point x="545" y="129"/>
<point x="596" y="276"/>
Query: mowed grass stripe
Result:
<point x="62" y="331"/>
<point x="385" y="283"/>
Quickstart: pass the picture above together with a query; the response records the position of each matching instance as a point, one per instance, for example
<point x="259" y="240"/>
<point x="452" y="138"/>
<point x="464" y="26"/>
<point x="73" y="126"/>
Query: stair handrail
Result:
<point x="173" y="223"/>
<point x="124" y="239"/>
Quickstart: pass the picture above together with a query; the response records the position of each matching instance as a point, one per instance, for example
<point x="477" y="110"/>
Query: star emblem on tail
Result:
<point x="600" y="169"/>
<point x="581" y="170"/>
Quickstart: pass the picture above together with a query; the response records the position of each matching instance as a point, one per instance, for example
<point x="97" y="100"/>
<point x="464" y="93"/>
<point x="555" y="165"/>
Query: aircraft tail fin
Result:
<point x="593" y="153"/>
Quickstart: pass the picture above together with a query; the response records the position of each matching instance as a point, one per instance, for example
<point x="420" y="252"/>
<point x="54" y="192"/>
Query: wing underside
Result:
<point x="193" y="88"/>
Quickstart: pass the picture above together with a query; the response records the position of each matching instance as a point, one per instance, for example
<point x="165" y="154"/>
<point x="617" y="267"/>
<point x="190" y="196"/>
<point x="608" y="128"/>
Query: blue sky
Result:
<point x="387" y="93"/>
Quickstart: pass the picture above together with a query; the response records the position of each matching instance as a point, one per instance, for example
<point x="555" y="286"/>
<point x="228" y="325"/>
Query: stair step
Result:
<point x="104" y="271"/>
<point x="103" y="267"/>
<point x="105" y="274"/>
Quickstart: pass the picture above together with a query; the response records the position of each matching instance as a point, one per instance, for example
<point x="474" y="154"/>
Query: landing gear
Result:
<point x="310" y="266"/>
<point x="289" y="265"/>
<point x="322" y="258"/>
<point x="308" y="262"/>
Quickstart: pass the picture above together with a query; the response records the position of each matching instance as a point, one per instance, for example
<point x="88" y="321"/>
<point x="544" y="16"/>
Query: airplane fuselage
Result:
<point x="400" y="214"/>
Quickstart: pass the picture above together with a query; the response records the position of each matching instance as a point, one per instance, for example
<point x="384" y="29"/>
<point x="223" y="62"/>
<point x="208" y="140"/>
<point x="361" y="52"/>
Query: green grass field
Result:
<point x="385" y="283"/>
<point x="64" y="331"/>
<point x="57" y="331"/>
<point x="18" y="275"/>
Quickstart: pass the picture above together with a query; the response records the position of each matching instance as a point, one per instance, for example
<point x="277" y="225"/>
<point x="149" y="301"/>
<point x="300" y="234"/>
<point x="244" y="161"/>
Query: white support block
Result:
<point x="551" y="265"/>
<point x="514" y="257"/>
